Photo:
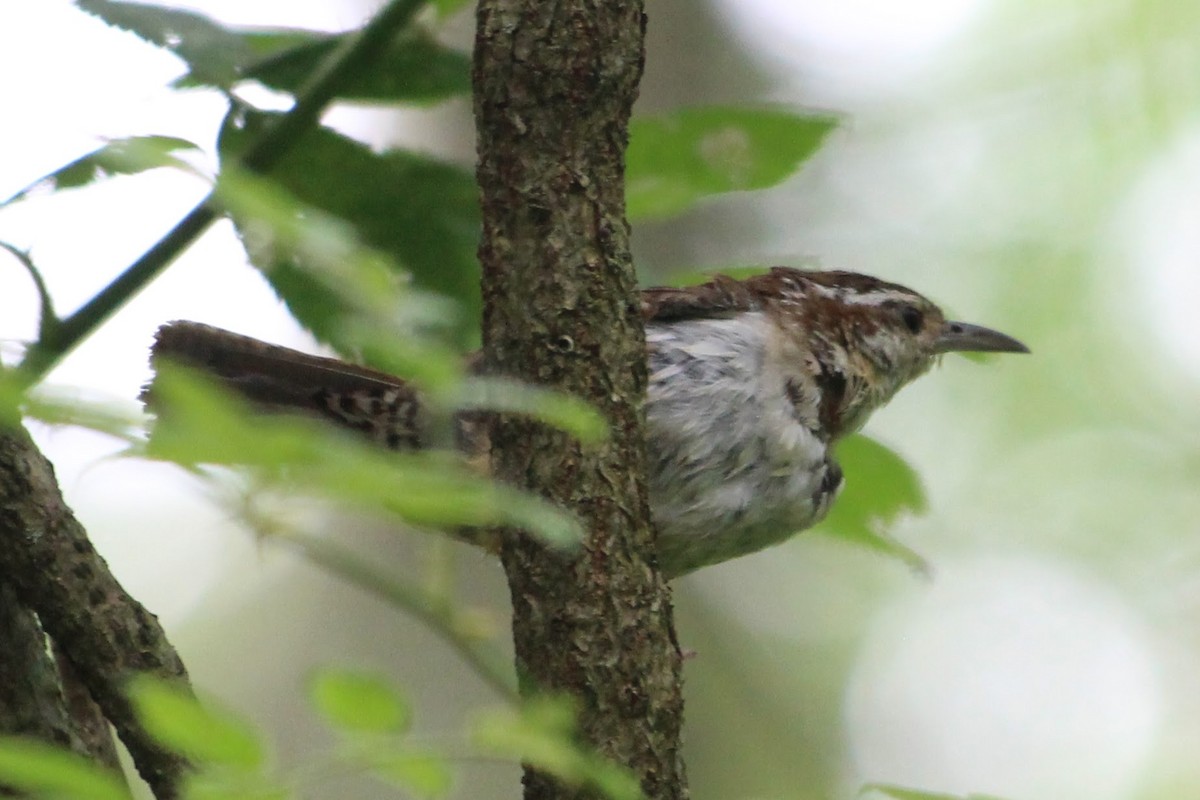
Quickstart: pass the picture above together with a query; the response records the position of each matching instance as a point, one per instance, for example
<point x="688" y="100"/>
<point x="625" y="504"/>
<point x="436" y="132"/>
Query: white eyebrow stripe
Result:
<point x="879" y="297"/>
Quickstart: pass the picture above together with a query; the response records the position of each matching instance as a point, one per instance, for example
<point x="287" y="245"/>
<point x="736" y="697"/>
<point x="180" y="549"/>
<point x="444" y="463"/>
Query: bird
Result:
<point x="752" y="383"/>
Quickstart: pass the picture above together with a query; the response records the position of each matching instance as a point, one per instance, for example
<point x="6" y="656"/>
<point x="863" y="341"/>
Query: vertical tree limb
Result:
<point x="554" y="85"/>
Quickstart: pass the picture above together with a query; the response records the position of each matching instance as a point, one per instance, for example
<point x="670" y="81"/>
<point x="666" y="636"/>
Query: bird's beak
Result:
<point x="959" y="337"/>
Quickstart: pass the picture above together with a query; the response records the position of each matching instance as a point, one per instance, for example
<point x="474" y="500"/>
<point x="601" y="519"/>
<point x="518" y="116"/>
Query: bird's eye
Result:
<point x="913" y="318"/>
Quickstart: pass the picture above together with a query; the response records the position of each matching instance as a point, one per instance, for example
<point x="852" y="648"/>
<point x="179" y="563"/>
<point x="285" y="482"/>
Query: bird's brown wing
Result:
<point x="720" y="297"/>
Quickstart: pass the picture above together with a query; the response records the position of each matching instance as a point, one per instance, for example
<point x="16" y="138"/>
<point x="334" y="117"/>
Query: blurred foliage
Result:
<point x="40" y="770"/>
<point x="374" y="252"/>
<point x="543" y="733"/>
<point x="199" y="424"/>
<point x="369" y="719"/>
<point x="127" y="156"/>
<point x="356" y="702"/>
<point x="880" y="487"/>
<point x="882" y="790"/>
<point x="1033" y="170"/>
<point x="415" y="69"/>
<point x="204" y="734"/>
<point x="350" y="295"/>
<point x="422" y="213"/>
<point x="676" y="159"/>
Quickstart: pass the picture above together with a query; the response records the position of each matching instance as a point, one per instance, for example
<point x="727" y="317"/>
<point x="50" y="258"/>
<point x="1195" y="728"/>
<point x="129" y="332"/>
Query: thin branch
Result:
<point x="260" y="157"/>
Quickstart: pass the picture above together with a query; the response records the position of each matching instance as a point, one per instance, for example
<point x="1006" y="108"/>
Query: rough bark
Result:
<point x="108" y="636"/>
<point x="554" y="84"/>
<point x="31" y="699"/>
<point x="89" y="722"/>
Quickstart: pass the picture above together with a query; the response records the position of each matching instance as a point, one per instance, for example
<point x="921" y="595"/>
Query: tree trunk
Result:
<point x="554" y="84"/>
<point x="46" y="557"/>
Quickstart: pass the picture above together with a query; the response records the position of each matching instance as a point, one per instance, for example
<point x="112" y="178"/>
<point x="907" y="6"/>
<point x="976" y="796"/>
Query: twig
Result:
<point x="260" y="156"/>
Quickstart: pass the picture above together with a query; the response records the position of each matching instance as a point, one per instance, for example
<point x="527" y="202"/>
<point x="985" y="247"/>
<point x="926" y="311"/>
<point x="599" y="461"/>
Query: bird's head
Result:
<point x="868" y="338"/>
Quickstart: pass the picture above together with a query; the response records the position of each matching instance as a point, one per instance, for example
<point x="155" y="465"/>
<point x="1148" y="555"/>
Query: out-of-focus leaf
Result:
<point x="902" y="793"/>
<point x="567" y="413"/>
<point x="542" y="733"/>
<point x="61" y="407"/>
<point x="38" y="769"/>
<point x="207" y="736"/>
<point x="198" y="424"/>
<point x="356" y="702"/>
<point x="447" y="8"/>
<point x="424" y="775"/>
<point x="12" y="398"/>
<point x="212" y="52"/>
<point x="879" y="487"/>
<point x="223" y="786"/>
<point x="348" y="294"/>
<point x="118" y="157"/>
<point x="422" y="213"/>
<point x="415" y="69"/>
<point x="108" y="417"/>
<point x="676" y="159"/>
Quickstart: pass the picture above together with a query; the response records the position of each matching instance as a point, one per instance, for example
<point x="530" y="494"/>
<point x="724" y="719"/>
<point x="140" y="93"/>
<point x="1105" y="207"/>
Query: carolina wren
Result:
<point x="752" y="383"/>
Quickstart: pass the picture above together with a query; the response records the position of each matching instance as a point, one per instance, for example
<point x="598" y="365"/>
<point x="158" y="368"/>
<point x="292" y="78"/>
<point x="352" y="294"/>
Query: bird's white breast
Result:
<point x="733" y="466"/>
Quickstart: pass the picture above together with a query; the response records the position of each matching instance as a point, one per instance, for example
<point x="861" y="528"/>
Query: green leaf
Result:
<point x="56" y="406"/>
<point x="214" y="53"/>
<point x="37" y="768"/>
<point x="448" y="8"/>
<point x="353" y="701"/>
<point x="563" y="411"/>
<point x="542" y="733"/>
<point x="676" y="159"/>
<point x="225" y="786"/>
<point x="421" y="213"/>
<point x="415" y="69"/>
<point x="198" y="423"/>
<point x="205" y="735"/>
<point x="348" y="294"/>
<point x="425" y="775"/>
<point x="902" y="793"/>
<point x="880" y="486"/>
<point x="112" y="418"/>
<point x="427" y="489"/>
<point x="127" y="156"/>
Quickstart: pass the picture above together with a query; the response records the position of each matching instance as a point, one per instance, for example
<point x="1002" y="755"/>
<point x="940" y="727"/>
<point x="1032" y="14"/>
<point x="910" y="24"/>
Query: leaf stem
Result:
<point x="262" y="154"/>
<point x="440" y="617"/>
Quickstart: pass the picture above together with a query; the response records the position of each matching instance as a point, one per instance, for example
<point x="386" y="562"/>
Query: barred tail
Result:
<point x="279" y="379"/>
